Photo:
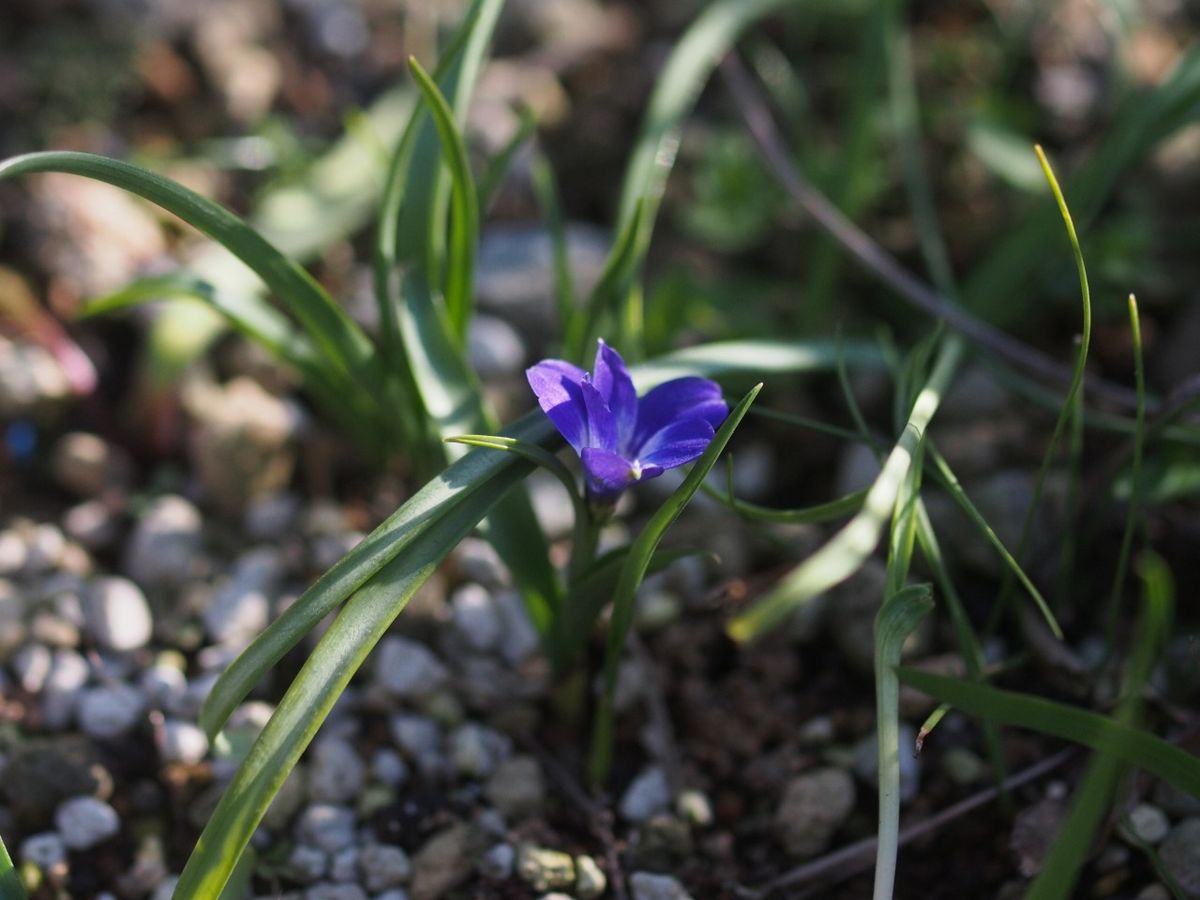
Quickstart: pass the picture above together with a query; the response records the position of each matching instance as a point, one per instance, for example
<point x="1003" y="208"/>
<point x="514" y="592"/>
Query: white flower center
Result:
<point x="636" y="470"/>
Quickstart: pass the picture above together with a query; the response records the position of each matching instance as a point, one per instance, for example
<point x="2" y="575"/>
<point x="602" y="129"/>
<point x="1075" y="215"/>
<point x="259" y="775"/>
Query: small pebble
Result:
<point x="648" y="794"/>
<point x="544" y="869"/>
<point x="116" y="614"/>
<point x="241" y="607"/>
<point x="326" y="826"/>
<point x="1145" y="824"/>
<point x="590" y="881"/>
<point x="165" y="543"/>
<point x="1180" y="856"/>
<point x="344" y="867"/>
<point x="47" y="851"/>
<point x="516" y="788"/>
<point x="307" y="864"/>
<point x="383" y="866"/>
<point x="388" y="767"/>
<point x="407" y="669"/>
<point x="84" y="822"/>
<point x="476" y="617"/>
<point x="329" y="891"/>
<point x="475" y="750"/>
<point x="694" y="808"/>
<point x="181" y="742"/>
<point x="421" y="739"/>
<point x="648" y="886"/>
<point x="497" y="864"/>
<point x="336" y="773"/>
<point x="814" y="806"/>
<point x="442" y="863"/>
<point x="109" y="711"/>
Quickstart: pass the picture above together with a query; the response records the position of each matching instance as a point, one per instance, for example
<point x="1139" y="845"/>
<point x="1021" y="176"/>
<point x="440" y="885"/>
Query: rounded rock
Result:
<point x="336" y="773"/>
<point x="648" y="794"/>
<point x="1180" y="856"/>
<point x="383" y="866"/>
<point x="1145" y="824"/>
<point x="47" y="851"/>
<point x="545" y="870"/>
<point x="516" y="788"/>
<point x="181" y="742"/>
<point x="475" y="616"/>
<point x="84" y="822"/>
<point x="165" y="543"/>
<point x="407" y="669"/>
<point x="117" y="615"/>
<point x="326" y="826"/>
<point x="109" y="711"/>
<point x="814" y="806"/>
<point x="648" y="886"/>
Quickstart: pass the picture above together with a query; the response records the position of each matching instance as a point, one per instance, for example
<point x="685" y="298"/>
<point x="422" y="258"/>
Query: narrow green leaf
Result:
<point x="613" y="286"/>
<point x="11" y="887"/>
<point x="1070" y="850"/>
<point x="545" y="189"/>
<point x="497" y="168"/>
<point x="1132" y="509"/>
<point x="897" y="618"/>
<point x="1069" y="402"/>
<point x="850" y="547"/>
<point x="331" y="665"/>
<point x="459" y="282"/>
<point x="333" y="333"/>
<point x="1135" y="746"/>
<point x="808" y="515"/>
<point x="632" y="572"/>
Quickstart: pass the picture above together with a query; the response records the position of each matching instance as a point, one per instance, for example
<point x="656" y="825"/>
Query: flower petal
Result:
<point x="678" y="443"/>
<point x="616" y="387"/>
<point x="672" y="401"/>
<point x="601" y="424"/>
<point x="557" y="386"/>
<point x="607" y="473"/>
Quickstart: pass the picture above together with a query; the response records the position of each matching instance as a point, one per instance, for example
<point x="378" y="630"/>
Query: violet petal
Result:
<point x="616" y="387"/>
<point x="601" y="424"/>
<point x="682" y="398"/>
<point x="557" y="386"/>
<point x="678" y="443"/>
<point x="607" y="473"/>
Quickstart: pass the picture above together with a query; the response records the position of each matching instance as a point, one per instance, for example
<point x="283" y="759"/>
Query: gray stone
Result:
<point x="326" y="826"/>
<point x="494" y="347"/>
<point x="519" y="640"/>
<point x="421" y="739"/>
<point x="165" y="544"/>
<point x="383" y="866"/>
<point x="31" y="664"/>
<point x="31" y="379"/>
<point x="336" y="773"/>
<point x="116" y="614"/>
<point x="241" y="444"/>
<point x="479" y="562"/>
<point x="270" y="518"/>
<point x="694" y="808"/>
<point x="241" y="607"/>
<point x="87" y="465"/>
<point x="288" y="800"/>
<point x="307" y="864"/>
<point x="392" y="894"/>
<point x="47" y="851"/>
<point x="590" y="881"/>
<point x="649" y="886"/>
<point x="163" y="685"/>
<point x="476" y="750"/>
<point x="1153" y="891"/>
<point x="1145" y="824"/>
<point x="329" y="891"/>
<point x="388" y="767"/>
<point x="476" y="618"/>
<point x="544" y="869"/>
<point x="109" y="711"/>
<point x="442" y="863"/>
<point x="497" y="864"/>
<point x="84" y="822"/>
<point x="1180" y="856"/>
<point x="91" y="523"/>
<point x="407" y="669"/>
<point x="181" y="742"/>
<point x="866" y="762"/>
<point x="516" y="788"/>
<point x="344" y="867"/>
<point x="646" y="795"/>
<point x="814" y="807"/>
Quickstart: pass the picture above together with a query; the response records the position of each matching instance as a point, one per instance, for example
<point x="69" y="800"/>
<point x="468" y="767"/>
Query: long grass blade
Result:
<point x="459" y="281"/>
<point x="1133" y="507"/>
<point x="1067" y="855"/>
<point x="1073" y="390"/>
<point x="337" y="337"/>
<point x="498" y="166"/>
<point x="850" y="547"/>
<point x="545" y="189"/>
<point x="324" y="676"/>
<point x="897" y="618"/>
<point x="11" y="886"/>
<point x="632" y="572"/>
<point x="1133" y="745"/>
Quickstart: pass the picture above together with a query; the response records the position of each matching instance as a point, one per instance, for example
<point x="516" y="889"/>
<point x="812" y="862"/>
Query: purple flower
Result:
<point x="620" y="438"/>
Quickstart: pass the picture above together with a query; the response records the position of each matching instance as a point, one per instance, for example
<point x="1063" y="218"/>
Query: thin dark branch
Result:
<point x="882" y="264"/>
<point x="858" y="857"/>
